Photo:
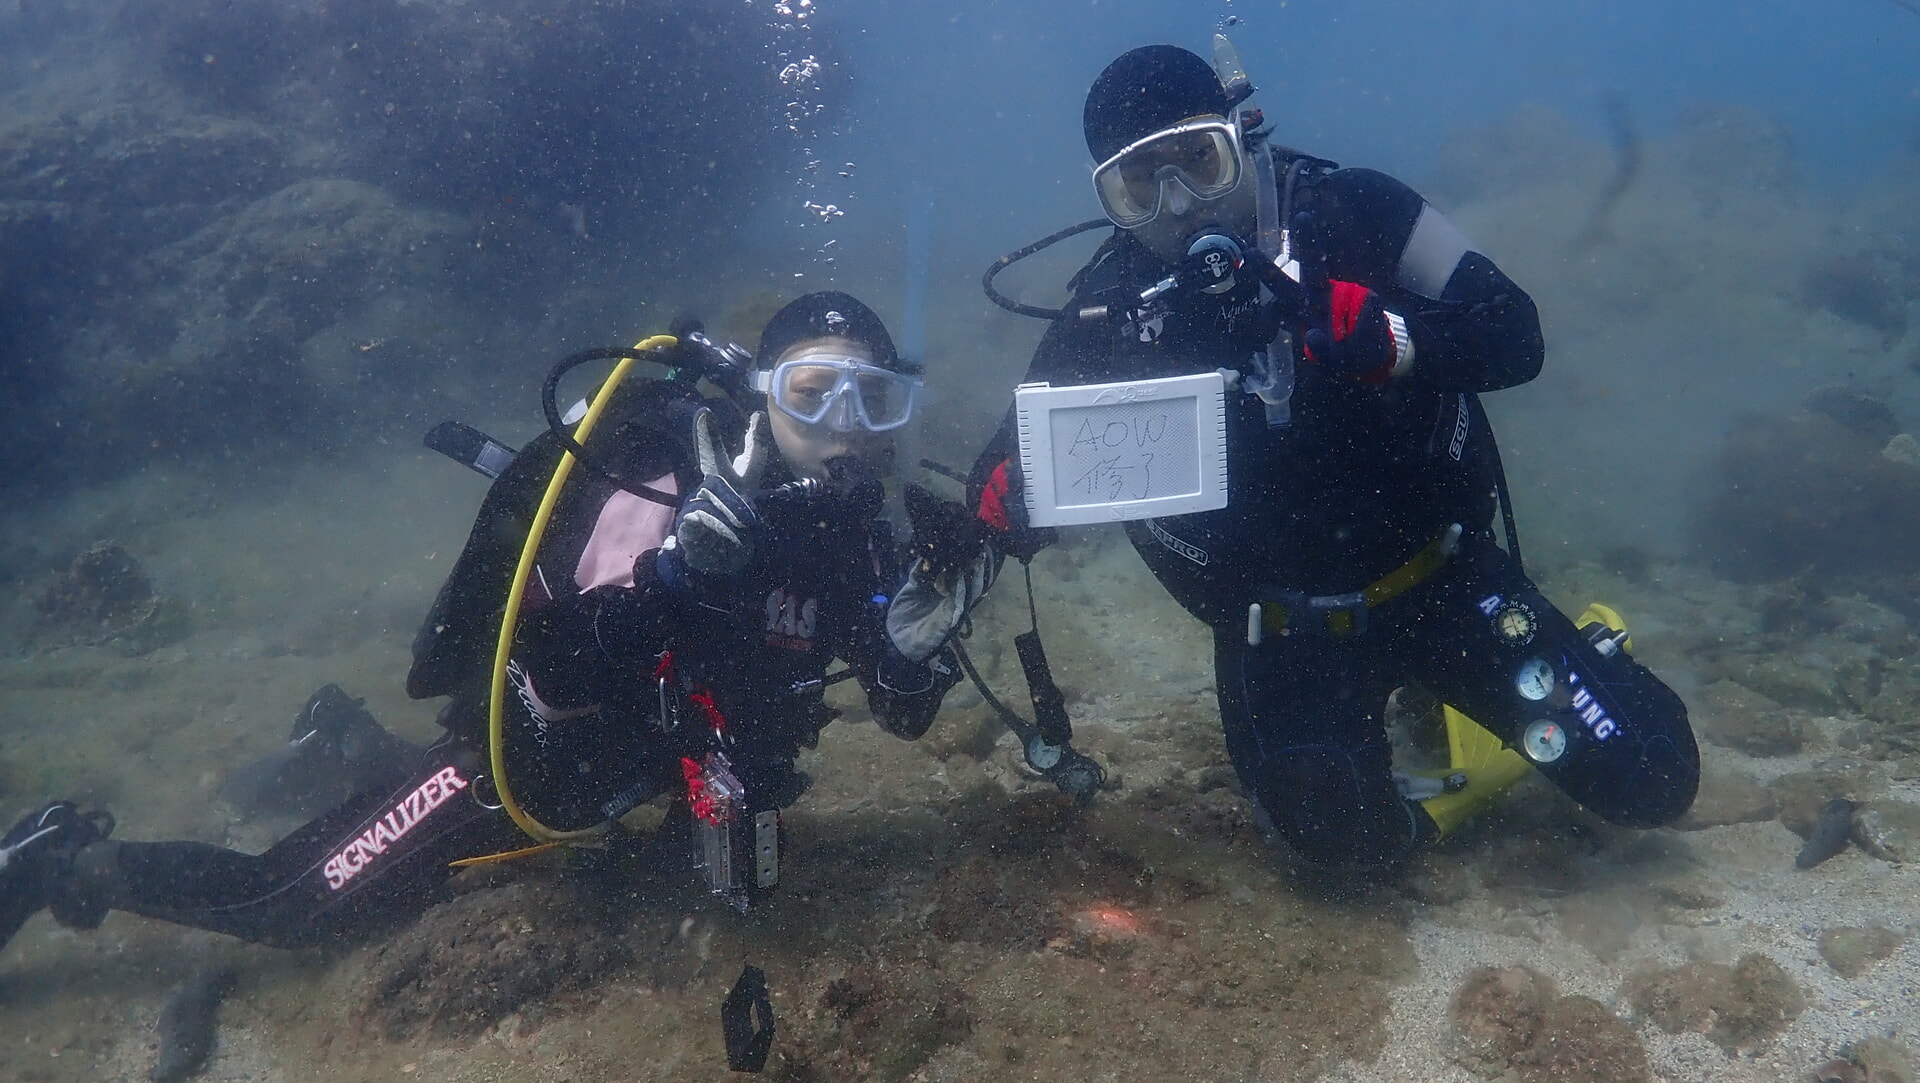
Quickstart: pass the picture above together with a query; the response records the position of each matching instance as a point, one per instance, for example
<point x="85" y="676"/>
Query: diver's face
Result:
<point x="807" y="448"/>
<point x="1182" y="214"/>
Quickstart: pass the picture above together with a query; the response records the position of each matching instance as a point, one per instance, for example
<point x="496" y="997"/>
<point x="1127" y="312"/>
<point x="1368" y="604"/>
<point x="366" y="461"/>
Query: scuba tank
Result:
<point x="648" y="421"/>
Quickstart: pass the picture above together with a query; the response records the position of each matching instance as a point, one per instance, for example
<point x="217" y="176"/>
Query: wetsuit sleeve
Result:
<point x="1473" y="328"/>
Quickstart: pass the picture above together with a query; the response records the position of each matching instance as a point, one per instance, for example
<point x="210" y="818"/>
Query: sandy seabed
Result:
<point x="945" y="916"/>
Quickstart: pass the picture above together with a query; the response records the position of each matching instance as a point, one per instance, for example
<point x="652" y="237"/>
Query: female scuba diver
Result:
<point x="663" y="645"/>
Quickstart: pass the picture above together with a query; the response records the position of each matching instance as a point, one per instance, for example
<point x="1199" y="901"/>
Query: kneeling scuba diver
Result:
<point x="1367" y="475"/>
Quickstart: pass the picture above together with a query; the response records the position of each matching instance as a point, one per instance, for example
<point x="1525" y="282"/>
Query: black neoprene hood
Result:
<point x="1145" y="90"/>
<point x="827" y="314"/>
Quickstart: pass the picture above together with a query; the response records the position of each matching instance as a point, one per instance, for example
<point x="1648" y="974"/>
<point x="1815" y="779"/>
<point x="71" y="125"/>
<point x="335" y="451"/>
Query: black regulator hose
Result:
<point x="1018" y="254"/>
<point x="550" y="405"/>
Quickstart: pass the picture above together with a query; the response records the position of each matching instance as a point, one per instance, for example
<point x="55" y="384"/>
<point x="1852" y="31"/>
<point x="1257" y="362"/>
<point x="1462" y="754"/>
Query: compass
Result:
<point x="1534" y="680"/>
<point x="1515" y="624"/>
<point x="1544" y="741"/>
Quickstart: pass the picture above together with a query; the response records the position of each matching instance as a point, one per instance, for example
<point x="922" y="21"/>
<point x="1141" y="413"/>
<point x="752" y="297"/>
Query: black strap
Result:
<point x="746" y="1021"/>
<point x="1500" y="485"/>
<point x="1049" y="705"/>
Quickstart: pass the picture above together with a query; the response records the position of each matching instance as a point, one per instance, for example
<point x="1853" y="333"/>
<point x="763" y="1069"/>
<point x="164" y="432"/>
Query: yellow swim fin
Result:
<point x="1488" y="767"/>
<point x="1596" y="613"/>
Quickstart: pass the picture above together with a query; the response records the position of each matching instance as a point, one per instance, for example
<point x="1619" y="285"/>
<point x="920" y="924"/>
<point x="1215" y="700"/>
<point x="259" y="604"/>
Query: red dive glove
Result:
<point x="1003" y="507"/>
<point x="1365" y="341"/>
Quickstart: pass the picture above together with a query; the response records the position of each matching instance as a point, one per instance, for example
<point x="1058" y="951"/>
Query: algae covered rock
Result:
<point x="1802" y="794"/>
<point x="1810" y="492"/>
<point x="1736" y="1006"/>
<point x="1851" y="951"/>
<point x="468" y="964"/>
<point x="1728" y="797"/>
<point x="1515" y="1022"/>
<point x="1889" y="830"/>
<point x="106" y="598"/>
<point x="1883" y="1060"/>
<point x="1734" y="715"/>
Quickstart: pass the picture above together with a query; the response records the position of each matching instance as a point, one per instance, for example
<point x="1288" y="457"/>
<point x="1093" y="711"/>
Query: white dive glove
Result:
<point x="954" y="564"/>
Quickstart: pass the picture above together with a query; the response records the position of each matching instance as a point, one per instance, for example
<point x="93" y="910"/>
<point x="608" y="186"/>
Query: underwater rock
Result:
<point x="492" y="115"/>
<point x="1530" y="148"/>
<point x="473" y="961"/>
<point x="1729" y="150"/>
<point x="889" y="1022"/>
<point x="1850" y="951"/>
<point x="1791" y="682"/>
<point x="1735" y="1006"/>
<point x="1735" y="716"/>
<point x="1838" y="1071"/>
<point x="1854" y="409"/>
<point x="1516" y="1023"/>
<point x="105" y="597"/>
<point x="1866" y="288"/>
<point x="1728" y="797"/>
<point x="1803" y="794"/>
<point x="1902" y="449"/>
<point x="1810" y="492"/>
<point x="1883" y="1060"/>
<point x="187" y="1024"/>
<point x="1889" y="830"/>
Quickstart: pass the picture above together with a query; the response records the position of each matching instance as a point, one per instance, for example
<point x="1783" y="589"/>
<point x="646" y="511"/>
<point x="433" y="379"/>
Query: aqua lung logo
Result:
<point x="1591" y="714"/>
<point x="365" y="849"/>
<point x="791" y="620"/>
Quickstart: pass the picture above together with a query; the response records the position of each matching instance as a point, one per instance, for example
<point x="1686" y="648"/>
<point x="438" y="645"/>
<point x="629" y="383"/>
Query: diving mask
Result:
<point x="841" y="393"/>
<point x="1201" y="155"/>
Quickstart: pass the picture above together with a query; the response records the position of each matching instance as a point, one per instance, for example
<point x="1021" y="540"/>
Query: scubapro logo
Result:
<point x="1186" y="549"/>
<point x="367" y="847"/>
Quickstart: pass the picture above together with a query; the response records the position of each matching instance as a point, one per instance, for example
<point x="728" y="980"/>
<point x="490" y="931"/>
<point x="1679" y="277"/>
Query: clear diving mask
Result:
<point x="840" y="393"/>
<point x="1201" y="155"/>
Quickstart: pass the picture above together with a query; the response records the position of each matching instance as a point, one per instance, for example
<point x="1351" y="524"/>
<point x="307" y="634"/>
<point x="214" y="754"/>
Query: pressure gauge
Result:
<point x="1544" y="741"/>
<point x="1042" y="756"/>
<point x="1534" y="680"/>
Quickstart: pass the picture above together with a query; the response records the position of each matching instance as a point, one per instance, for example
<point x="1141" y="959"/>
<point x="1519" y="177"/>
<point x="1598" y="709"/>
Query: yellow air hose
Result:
<point x="496" y="706"/>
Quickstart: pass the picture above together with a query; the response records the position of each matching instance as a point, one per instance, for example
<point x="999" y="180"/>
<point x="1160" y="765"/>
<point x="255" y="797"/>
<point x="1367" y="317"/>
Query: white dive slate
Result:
<point x="1104" y="453"/>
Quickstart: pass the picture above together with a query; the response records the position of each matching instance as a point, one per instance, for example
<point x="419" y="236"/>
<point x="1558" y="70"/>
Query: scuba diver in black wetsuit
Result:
<point x="664" y="645"/>
<point x="1354" y="327"/>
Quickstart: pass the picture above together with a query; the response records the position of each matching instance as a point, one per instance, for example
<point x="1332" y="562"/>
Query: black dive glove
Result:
<point x="946" y="535"/>
<point x="717" y="527"/>
<point x="1363" y="340"/>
